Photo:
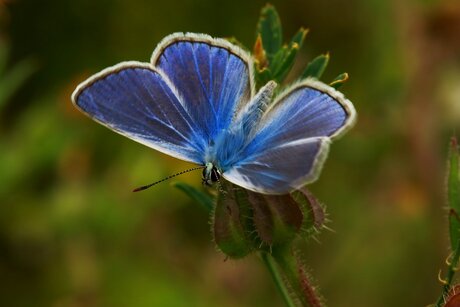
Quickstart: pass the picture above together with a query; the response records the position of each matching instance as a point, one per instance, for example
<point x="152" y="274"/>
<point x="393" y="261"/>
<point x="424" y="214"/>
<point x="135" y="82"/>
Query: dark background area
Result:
<point x="73" y="234"/>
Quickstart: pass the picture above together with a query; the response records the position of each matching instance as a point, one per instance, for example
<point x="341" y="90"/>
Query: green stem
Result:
<point x="276" y="276"/>
<point x="297" y="277"/>
<point x="450" y="275"/>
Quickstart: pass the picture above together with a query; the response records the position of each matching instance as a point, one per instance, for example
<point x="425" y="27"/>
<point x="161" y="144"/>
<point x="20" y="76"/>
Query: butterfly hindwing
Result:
<point x="280" y="169"/>
<point x="292" y="139"/>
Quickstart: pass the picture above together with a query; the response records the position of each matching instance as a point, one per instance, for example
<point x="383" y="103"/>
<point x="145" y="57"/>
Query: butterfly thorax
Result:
<point x="233" y="144"/>
<point x="211" y="174"/>
<point x="224" y="152"/>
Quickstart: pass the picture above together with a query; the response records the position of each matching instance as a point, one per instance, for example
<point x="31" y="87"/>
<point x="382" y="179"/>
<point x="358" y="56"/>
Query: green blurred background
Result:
<point x="72" y="233"/>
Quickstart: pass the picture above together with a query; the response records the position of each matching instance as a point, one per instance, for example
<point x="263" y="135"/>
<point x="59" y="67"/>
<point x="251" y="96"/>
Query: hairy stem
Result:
<point x="453" y="262"/>
<point x="276" y="276"/>
<point x="297" y="277"/>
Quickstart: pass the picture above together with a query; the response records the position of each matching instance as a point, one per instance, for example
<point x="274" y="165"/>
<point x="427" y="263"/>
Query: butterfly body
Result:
<point x="196" y="101"/>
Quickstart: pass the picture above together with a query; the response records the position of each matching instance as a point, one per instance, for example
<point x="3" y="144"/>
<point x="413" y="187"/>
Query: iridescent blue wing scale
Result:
<point x="291" y="142"/>
<point x="138" y="102"/>
<point x="213" y="77"/>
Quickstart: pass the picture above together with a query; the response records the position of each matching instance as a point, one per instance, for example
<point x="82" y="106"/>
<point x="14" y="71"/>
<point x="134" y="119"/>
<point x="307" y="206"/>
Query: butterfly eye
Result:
<point x="210" y="174"/>
<point x="215" y="175"/>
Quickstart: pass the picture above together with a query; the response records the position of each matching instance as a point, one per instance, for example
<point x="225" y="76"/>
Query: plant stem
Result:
<point x="297" y="277"/>
<point x="276" y="276"/>
<point x="450" y="275"/>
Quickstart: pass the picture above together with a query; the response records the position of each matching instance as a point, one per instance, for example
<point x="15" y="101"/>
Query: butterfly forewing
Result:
<point x="135" y="100"/>
<point x="212" y="76"/>
<point x="179" y="103"/>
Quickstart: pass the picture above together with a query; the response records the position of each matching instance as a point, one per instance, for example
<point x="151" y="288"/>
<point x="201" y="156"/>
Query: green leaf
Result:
<point x="284" y="59"/>
<point x="453" y="194"/>
<point x="206" y="201"/>
<point x="299" y="37"/>
<point x="278" y="59"/>
<point x="316" y="67"/>
<point x="286" y="64"/>
<point x="262" y="77"/>
<point x="269" y="28"/>
<point x="339" y="80"/>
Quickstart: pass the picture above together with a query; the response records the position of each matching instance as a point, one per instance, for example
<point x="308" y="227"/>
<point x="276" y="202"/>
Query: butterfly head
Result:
<point x="211" y="174"/>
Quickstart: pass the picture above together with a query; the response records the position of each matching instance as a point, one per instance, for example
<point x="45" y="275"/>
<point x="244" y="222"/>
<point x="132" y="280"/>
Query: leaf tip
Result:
<point x="340" y="80"/>
<point x="260" y="57"/>
<point x="304" y="31"/>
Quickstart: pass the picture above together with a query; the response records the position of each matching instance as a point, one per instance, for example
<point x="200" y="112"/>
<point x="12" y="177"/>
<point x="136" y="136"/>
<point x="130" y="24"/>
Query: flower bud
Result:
<point x="453" y="297"/>
<point x="277" y="218"/>
<point x="232" y="221"/>
<point x="313" y="212"/>
<point x="245" y="221"/>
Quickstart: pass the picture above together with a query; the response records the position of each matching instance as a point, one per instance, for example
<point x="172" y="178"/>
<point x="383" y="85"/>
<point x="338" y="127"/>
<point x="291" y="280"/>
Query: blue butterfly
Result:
<point x="196" y="101"/>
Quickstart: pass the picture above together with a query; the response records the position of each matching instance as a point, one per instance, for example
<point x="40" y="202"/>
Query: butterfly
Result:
<point x="196" y="101"/>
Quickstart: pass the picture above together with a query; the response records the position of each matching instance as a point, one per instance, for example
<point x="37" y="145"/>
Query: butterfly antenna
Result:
<point x="169" y="177"/>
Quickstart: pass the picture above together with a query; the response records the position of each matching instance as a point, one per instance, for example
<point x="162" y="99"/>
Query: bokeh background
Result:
<point x="73" y="234"/>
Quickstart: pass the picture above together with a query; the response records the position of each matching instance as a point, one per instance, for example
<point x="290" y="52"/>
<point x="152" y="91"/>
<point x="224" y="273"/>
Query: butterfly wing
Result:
<point x="180" y="102"/>
<point x="291" y="142"/>
<point x="213" y="77"/>
<point x="139" y="102"/>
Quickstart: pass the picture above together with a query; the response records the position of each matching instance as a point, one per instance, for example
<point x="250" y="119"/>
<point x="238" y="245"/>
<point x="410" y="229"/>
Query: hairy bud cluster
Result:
<point x="245" y="221"/>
